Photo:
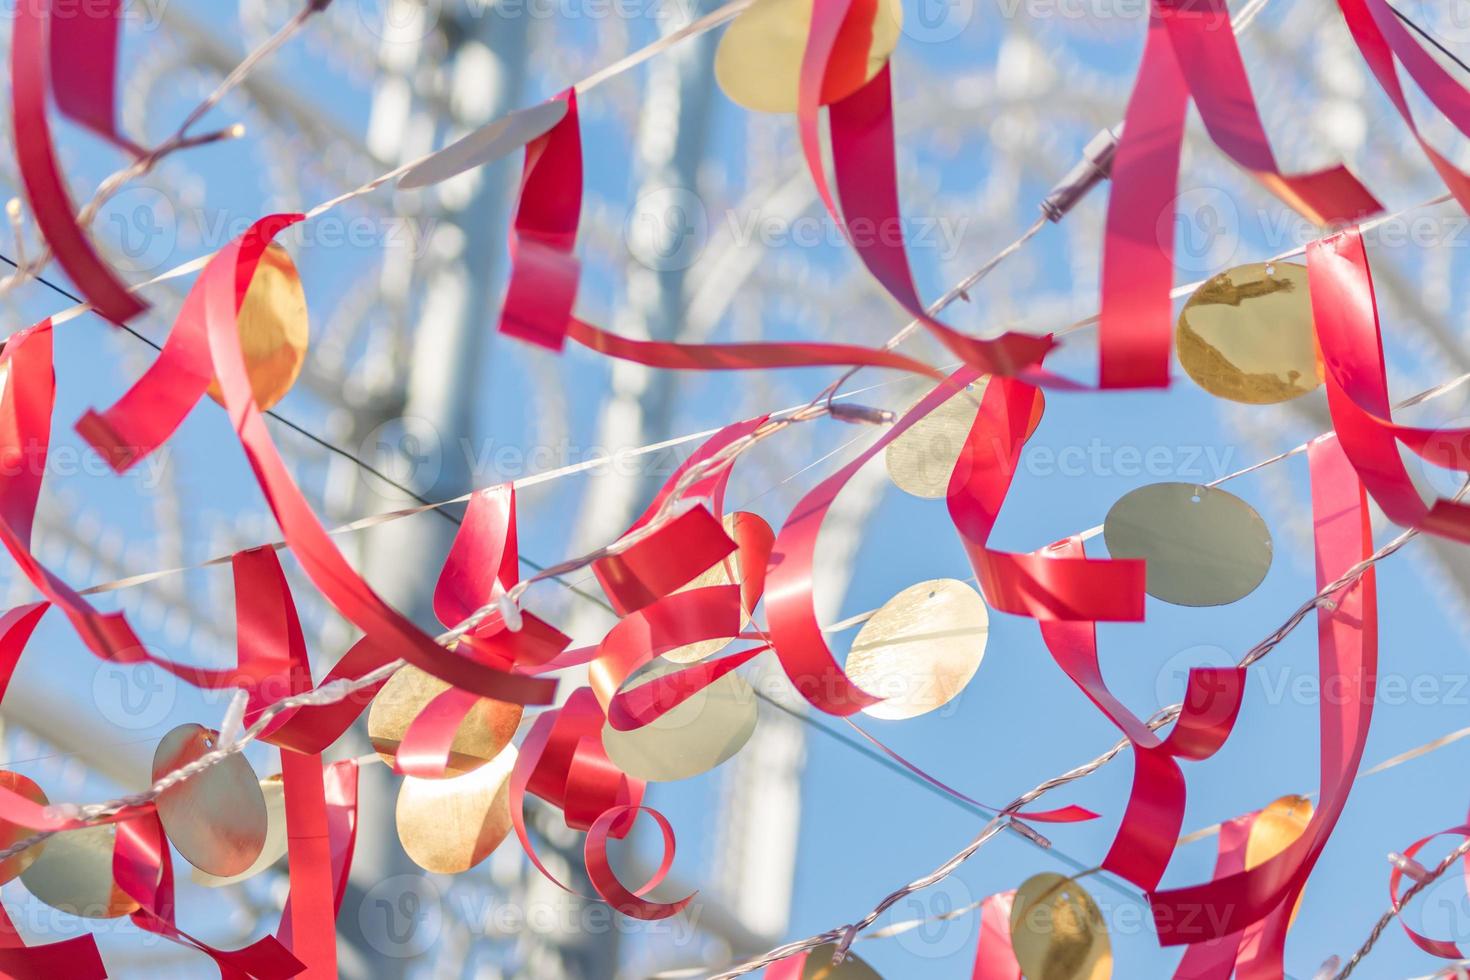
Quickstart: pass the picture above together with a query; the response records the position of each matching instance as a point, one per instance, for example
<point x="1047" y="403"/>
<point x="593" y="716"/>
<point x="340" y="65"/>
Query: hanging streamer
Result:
<point x="1347" y="643"/>
<point x="544" y="272"/>
<point x="1191" y="52"/>
<point x="1345" y="312"/>
<point x="35" y="152"/>
<point x="1145" y="840"/>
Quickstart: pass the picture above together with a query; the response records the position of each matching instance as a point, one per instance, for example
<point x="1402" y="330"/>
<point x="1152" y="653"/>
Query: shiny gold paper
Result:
<point x="920" y="461"/>
<point x="818" y="966"/>
<point x="1247" y="335"/>
<point x="485" y="731"/>
<point x="692" y="738"/>
<point x="274" y="329"/>
<point x="450" y="825"/>
<point x="1275" y="828"/>
<point x="275" y="838"/>
<point x="74" y="874"/>
<point x="217" y="819"/>
<point x="1058" y="932"/>
<point x="11" y="833"/>
<point x="758" y="62"/>
<point x="921" y="649"/>
<point x="1204" y="546"/>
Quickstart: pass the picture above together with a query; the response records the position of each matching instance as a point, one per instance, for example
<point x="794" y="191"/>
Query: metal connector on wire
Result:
<point x="861" y="414"/>
<point x="1094" y="167"/>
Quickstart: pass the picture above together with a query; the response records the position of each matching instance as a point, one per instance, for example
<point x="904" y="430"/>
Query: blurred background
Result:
<point x="700" y="223"/>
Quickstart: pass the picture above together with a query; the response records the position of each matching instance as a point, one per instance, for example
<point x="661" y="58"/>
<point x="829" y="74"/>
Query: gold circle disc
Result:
<point x="276" y="843"/>
<point x="1247" y="334"/>
<point x="818" y="966"/>
<point x="14" y="833"/>
<point x="486" y="729"/>
<point x="1058" y="932"/>
<point x="758" y="62"/>
<point x="217" y="820"/>
<point x="726" y="571"/>
<point x="920" y="649"/>
<point x="450" y="825"/>
<point x="1204" y="546"/>
<point x="274" y="329"/>
<point x="74" y="874"/>
<point x="692" y="738"/>
<point x="920" y="461"/>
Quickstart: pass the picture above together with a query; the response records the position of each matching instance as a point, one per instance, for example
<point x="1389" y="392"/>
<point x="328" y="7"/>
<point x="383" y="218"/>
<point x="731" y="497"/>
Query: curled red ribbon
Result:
<point x="1442" y="948"/>
<point x="1146" y="837"/>
<point x="1050" y="584"/>
<point x="1346" y="317"/>
<point x="32" y="37"/>
<point x="1347" y="645"/>
<point x="562" y="761"/>
<point x="205" y="343"/>
<point x="1190" y="51"/>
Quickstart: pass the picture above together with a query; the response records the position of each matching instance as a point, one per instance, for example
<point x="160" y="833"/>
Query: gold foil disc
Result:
<point x="274" y="329"/>
<point x="1204" y="546"/>
<point x="692" y="738"/>
<point x="1274" y="830"/>
<point x="74" y="874"/>
<point x="920" y="461"/>
<point x="14" y="833"/>
<point x="724" y="572"/>
<point x="486" y="729"/>
<point x="487" y="144"/>
<point x="275" y="846"/>
<point x="1057" y="931"/>
<point x="758" y="62"/>
<point x="217" y="819"/>
<point x="450" y="825"/>
<point x="1247" y="335"/>
<point x="921" y="649"/>
<point x="818" y="966"/>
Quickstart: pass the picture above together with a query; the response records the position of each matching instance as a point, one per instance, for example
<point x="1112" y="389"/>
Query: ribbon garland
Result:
<point x="1187" y="57"/>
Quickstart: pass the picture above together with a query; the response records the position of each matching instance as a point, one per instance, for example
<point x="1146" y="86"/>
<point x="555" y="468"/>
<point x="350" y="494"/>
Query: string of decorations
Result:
<point x="685" y="579"/>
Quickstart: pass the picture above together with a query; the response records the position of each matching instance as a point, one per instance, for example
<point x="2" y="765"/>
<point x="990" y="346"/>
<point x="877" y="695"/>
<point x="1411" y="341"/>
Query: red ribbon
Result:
<point x="1190" y="52"/>
<point x="1347" y="645"/>
<point x="1346" y="317"/>
<point x="143" y="870"/>
<point x="272" y="655"/>
<point x="1047" y="585"/>
<point x="1379" y="36"/>
<point x="1435" y="947"/>
<point x="563" y="762"/>
<point x="340" y="798"/>
<point x="482" y="564"/>
<point x="76" y="959"/>
<point x="865" y="169"/>
<point x="544" y="272"/>
<point x="32" y="36"/>
<point x="994" y="957"/>
<point x="1145" y="840"/>
<point x="757" y="355"/>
